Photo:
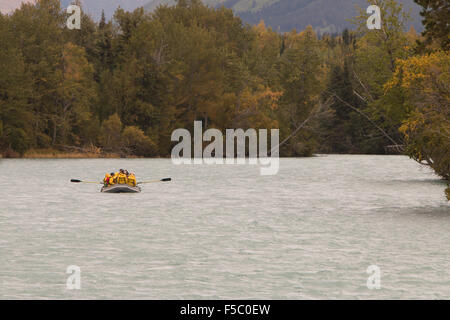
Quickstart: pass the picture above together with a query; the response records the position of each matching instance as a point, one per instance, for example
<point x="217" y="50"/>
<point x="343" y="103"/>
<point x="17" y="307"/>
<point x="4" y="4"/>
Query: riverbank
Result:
<point x="95" y="153"/>
<point x="51" y="153"/>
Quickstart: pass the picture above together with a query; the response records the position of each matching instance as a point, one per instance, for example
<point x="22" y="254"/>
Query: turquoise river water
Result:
<point x="224" y="231"/>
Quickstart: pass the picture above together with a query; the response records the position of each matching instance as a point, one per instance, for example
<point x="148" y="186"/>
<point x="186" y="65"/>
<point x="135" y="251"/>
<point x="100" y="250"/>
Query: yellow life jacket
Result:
<point x="121" y="179"/>
<point x="132" y="180"/>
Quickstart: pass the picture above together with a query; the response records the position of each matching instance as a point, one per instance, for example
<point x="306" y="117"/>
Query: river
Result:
<point x="224" y="231"/>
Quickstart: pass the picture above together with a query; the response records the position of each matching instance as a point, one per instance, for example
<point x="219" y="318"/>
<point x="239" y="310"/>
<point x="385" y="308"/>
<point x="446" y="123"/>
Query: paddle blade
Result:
<point x="76" y="181"/>
<point x="155" y="181"/>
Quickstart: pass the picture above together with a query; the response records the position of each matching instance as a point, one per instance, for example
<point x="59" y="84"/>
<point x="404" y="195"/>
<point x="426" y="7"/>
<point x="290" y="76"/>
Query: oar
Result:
<point x="162" y="180"/>
<point x="80" y="181"/>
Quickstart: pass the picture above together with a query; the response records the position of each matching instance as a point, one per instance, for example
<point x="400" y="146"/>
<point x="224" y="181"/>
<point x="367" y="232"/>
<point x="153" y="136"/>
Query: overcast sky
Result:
<point x="9" y="5"/>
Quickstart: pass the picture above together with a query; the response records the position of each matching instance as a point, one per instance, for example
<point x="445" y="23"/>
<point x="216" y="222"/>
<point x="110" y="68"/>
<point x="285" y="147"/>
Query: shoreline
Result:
<point x="81" y="155"/>
<point x="56" y="154"/>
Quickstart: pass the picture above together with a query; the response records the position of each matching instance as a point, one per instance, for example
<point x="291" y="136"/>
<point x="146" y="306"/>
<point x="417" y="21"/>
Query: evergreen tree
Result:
<point x="436" y="15"/>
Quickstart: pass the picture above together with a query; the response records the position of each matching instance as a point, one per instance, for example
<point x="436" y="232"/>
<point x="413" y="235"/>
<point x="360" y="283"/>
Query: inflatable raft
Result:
<point x="121" y="188"/>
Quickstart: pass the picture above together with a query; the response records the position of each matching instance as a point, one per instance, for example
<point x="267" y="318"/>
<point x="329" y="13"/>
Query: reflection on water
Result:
<point x="225" y="231"/>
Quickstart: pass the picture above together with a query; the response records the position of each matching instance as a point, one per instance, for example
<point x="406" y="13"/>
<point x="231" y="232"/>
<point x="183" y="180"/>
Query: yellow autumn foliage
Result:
<point x="425" y="81"/>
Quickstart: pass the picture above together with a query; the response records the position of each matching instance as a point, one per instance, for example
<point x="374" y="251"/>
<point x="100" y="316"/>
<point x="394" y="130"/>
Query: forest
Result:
<point x="121" y="87"/>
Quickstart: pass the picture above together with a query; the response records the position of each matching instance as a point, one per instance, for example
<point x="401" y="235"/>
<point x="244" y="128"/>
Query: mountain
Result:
<point x="285" y="15"/>
<point x="236" y="5"/>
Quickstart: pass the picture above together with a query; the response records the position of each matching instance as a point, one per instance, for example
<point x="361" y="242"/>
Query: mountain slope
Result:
<point x="236" y="5"/>
<point x="285" y="15"/>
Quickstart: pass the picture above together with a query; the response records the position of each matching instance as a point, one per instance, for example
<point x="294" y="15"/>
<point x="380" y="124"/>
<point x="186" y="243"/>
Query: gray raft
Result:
<point x="121" y="188"/>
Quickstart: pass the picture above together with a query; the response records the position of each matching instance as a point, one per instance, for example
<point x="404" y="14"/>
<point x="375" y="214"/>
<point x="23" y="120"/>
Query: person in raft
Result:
<point x="121" y="177"/>
<point x="131" y="180"/>
<point x="109" y="179"/>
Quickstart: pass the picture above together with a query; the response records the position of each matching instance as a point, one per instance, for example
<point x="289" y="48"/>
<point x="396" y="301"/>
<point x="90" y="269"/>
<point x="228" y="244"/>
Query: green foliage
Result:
<point x="16" y="118"/>
<point x="368" y="64"/>
<point x="301" y="79"/>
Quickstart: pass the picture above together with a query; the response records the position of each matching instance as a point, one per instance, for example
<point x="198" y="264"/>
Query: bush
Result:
<point x="43" y="140"/>
<point x="17" y="140"/>
<point x="88" y="130"/>
<point x="110" y="133"/>
<point x="135" y="141"/>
